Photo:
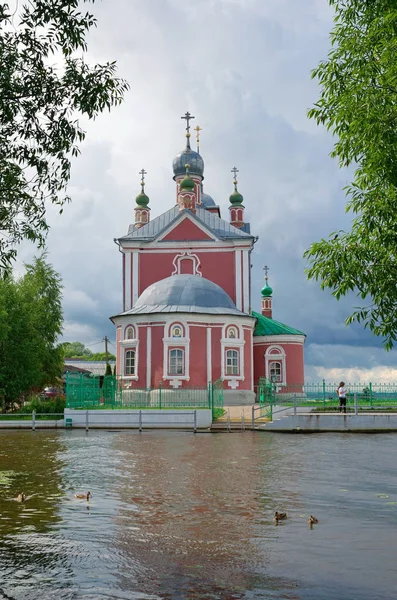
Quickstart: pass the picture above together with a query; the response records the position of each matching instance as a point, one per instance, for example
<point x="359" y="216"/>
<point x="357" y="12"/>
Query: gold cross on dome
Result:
<point x="266" y="270"/>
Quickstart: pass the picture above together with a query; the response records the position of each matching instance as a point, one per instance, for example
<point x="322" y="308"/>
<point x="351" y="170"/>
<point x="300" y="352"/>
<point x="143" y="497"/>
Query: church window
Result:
<point x="232" y="333"/>
<point x="275" y="371"/>
<point x="176" y="362"/>
<point x="129" y="363"/>
<point x="130" y="334"/>
<point x="232" y="360"/>
<point x="176" y="332"/>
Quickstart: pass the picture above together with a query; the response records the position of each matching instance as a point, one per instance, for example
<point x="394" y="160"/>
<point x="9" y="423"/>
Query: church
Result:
<point x="187" y="317"/>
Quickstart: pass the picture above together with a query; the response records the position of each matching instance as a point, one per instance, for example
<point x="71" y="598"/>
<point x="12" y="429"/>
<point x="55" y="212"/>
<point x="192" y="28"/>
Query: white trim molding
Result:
<point x="186" y="256"/>
<point x="125" y="346"/>
<point x="276" y="354"/>
<point x="170" y="343"/>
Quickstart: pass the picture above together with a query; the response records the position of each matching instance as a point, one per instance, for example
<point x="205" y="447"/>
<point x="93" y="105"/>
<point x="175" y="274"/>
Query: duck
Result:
<point x="279" y="516"/>
<point x="85" y="496"/>
<point x="312" y="520"/>
<point x="21" y="497"/>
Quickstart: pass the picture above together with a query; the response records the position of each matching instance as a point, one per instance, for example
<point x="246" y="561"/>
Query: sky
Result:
<point x="243" y="68"/>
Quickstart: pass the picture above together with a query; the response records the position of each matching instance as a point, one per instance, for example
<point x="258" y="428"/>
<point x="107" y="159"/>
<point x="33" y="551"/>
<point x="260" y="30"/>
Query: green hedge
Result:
<point x="57" y="405"/>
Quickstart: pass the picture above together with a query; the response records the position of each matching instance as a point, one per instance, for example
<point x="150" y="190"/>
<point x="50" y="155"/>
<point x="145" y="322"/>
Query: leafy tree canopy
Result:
<point x="358" y="105"/>
<point x="30" y="323"/>
<point x="45" y="86"/>
<point x="78" y="350"/>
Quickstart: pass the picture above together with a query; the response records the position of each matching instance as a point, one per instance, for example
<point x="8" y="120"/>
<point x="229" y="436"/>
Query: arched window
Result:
<point x="129" y="363"/>
<point x="130" y="333"/>
<point x="232" y="362"/>
<point x="176" y="362"/>
<point x="176" y="332"/>
<point x="275" y="371"/>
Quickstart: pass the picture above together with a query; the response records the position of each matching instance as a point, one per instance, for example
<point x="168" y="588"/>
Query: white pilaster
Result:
<point x="209" y="355"/>
<point x="135" y="290"/>
<point x="238" y="280"/>
<point x="127" y="279"/>
<point x="148" y="357"/>
<point x="246" y="290"/>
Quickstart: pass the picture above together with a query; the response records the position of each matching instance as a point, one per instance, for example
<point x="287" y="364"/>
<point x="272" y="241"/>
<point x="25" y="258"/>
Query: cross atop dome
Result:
<point x="142" y="173"/>
<point x="188" y="117"/>
<point x="266" y="270"/>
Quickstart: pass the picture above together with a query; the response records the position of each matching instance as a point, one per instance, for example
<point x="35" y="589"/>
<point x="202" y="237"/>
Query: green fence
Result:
<point x="324" y="395"/>
<point x="111" y="392"/>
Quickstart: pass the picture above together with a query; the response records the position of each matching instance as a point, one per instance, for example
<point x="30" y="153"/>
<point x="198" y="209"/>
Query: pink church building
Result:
<point x="187" y="317"/>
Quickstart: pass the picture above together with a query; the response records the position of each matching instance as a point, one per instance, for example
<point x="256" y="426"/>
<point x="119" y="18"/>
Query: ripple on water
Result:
<point x="184" y="516"/>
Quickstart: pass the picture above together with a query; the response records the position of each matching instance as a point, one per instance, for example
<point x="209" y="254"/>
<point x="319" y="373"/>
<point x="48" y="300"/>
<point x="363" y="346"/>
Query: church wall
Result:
<point x="141" y="381"/>
<point x="216" y="352"/>
<point x="219" y="267"/>
<point x="295" y="364"/>
<point x="294" y="361"/>
<point x="247" y="384"/>
<point x="198" y="355"/>
<point x="157" y="355"/>
<point x="154" y="266"/>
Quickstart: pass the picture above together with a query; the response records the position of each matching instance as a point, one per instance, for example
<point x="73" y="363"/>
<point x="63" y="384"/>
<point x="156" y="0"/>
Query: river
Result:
<point x="183" y="516"/>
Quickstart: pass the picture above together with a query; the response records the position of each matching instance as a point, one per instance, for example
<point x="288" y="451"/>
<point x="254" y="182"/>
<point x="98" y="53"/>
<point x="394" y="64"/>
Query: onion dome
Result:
<point x="142" y="199"/>
<point x="192" y="158"/>
<point x="266" y="291"/>
<point x="236" y="198"/>
<point x="207" y="200"/>
<point x="187" y="182"/>
<point x="188" y="156"/>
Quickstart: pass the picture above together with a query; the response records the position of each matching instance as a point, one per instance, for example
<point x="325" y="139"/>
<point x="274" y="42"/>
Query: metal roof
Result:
<point x="266" y="326"/>
<point x="220" y="228"/>
<point x="187" y="294"/>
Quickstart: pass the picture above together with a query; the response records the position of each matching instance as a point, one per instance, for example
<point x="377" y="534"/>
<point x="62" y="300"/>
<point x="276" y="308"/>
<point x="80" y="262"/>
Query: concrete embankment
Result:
<point x="319" y="423"/>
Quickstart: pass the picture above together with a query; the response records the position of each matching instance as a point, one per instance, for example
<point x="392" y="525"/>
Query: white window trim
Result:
<point x="125" y="346"/>
<point x="279" y="356"/>
<point x="232" y="344"/>
<point x="177" y="349"/>
<point x="183" y="256"/>
<point x="169" y="343"/>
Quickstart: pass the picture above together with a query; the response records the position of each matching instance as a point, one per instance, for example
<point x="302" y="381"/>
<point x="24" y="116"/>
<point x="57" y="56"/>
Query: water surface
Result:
<point x="178" y="515"/>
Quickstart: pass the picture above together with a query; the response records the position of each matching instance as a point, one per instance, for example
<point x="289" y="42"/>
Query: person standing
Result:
<point x="342" y="393"/>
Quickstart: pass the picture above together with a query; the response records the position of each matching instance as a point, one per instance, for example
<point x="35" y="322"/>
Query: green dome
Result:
<point x="266" y="291"/>
<point x="236" y="198"/>
<point x="187" y="183"/>
<point x="142" y="199"/>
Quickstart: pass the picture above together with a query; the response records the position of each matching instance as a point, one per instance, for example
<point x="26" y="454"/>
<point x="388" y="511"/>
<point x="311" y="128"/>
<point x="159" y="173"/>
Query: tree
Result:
<point x="76" y="350"/>
<point x="358" y="105"/>
<point x="30" y="323"/>
<point x="108" y="369"/>
<point x="45" y="86"/>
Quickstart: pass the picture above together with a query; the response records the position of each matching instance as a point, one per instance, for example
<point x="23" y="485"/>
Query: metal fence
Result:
<point x="324" y="397"/>
<point x="112" y="392"/>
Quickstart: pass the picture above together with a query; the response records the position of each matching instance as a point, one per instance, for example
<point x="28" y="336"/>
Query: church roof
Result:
<point x="187" y="294"/>
<point x="222" y="229"/>
<point x="267" y="326"/>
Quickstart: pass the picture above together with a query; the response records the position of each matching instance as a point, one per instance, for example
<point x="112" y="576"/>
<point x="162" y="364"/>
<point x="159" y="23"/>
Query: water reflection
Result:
<point x="177" y="515"/>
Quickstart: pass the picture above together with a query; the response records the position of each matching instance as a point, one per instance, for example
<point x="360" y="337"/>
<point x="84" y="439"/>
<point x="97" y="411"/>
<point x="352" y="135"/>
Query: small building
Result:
<point x="187" y="317"/>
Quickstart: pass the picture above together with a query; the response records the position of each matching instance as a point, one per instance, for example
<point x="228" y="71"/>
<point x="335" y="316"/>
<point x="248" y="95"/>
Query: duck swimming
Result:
<point x="85" y="496"/>
<point x="279" y="516"/>
<point x="312" y="520"/>
<point x="21" y="497"/>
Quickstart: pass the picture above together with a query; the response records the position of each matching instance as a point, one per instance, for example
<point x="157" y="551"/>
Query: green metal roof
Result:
<point x="266" y="326"/>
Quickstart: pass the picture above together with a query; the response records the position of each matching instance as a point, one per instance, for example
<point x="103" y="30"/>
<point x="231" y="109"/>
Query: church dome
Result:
<point x="190" y="157"/>
<point x="267" y="291"/>
<point x="207" y="201"/>
<point x="185" y="293"/>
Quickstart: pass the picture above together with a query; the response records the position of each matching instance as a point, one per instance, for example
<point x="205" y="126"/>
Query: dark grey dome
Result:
<point x="185" y="293"/>
<point x="206" y="200"/>
<point x="190" y="157"/>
